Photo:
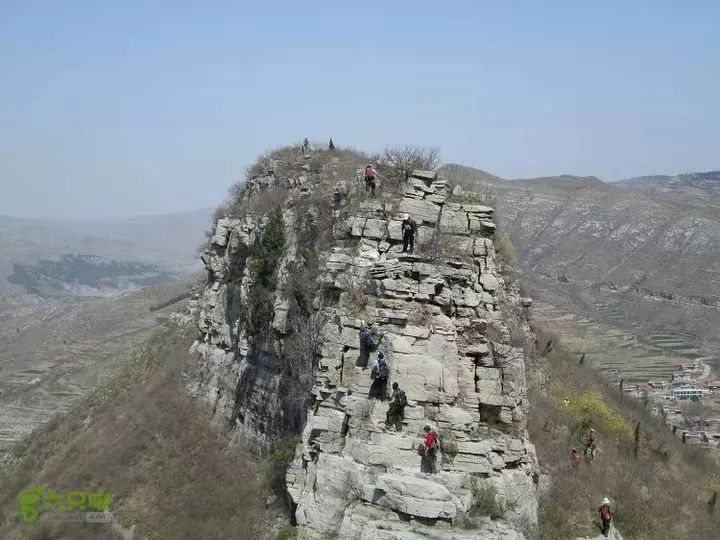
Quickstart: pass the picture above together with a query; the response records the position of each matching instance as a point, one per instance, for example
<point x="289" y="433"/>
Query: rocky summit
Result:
<point x="444" y="318"/>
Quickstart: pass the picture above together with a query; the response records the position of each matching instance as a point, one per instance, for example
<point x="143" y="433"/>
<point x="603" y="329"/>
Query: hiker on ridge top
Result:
<point x="409" y="228"/>
<point x="370" y="175"/>
<point x="379" y="374"/>
<point x="305" y="146"/>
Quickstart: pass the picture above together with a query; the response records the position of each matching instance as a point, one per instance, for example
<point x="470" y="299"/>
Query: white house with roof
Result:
<point x="689" y="392"/>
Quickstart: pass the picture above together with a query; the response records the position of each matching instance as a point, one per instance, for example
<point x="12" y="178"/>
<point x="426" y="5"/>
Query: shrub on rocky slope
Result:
<point x="660" y="487"/>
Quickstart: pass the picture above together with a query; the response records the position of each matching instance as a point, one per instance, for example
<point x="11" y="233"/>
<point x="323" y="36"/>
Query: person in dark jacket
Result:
<point x="379" y="374"/>
<point x="367" y="343"/>
<point x="396" y="411"/>
<point x="590" y="445"/>
<point x="409" y="229"/>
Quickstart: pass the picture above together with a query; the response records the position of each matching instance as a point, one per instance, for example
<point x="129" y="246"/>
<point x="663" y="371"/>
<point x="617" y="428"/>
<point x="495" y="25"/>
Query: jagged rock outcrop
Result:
<point x="442" y="314"/>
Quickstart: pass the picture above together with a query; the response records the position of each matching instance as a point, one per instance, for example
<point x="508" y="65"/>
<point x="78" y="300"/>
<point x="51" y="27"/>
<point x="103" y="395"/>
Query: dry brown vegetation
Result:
<point x="505" y="247"/>
<point x="445" y="246"/>
<point x="466" y="197"/>
<point x="324" y="167"/>
<point x="170" y="474"/>
<point x="470" y="181"/>
<point x="398" y="162"/>
<point x="660" y="487"/>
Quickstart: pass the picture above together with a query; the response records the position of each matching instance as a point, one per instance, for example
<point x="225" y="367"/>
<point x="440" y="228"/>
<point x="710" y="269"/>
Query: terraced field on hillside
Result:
<point x="54" y="352"/>
<point x="631" y="279"/>
<point x="621" y="349"/>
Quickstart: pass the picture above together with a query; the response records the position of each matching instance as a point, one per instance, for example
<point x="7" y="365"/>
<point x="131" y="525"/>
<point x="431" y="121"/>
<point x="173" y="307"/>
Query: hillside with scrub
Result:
<point x="661" y="487"/>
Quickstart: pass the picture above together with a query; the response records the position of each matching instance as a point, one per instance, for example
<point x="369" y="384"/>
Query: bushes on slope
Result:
<point x="660" y="487"/>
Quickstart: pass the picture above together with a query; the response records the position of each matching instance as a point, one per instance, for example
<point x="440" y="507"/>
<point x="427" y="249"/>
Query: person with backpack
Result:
<point x="590" y="445"/>
<point x="409" y="229"/>
<point x="396" y="411"/>
<point x="379" y="374"/>
<point x="370" y="175"/>
<point x="367" y="342"/>
<point x="431" y="446"/>
<point x="606" y="515"/>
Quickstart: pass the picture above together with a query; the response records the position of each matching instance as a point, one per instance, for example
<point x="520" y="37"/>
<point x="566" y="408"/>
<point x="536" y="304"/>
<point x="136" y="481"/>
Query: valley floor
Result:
<point x="54" y="352"/>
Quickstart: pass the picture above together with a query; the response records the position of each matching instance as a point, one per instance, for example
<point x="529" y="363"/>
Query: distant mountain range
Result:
<point x="697" y="188"/>
<point x="82" y="275"/>
<point x="650" y="246"/>
<point x="98" y="256"/>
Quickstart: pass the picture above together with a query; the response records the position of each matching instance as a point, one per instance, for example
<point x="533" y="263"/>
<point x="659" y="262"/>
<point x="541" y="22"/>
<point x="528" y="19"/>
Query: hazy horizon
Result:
<point x="104" y="219"/>
<point x="134" y="109"/>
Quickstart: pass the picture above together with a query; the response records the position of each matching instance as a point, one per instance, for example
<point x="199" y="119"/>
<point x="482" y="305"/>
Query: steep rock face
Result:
<point x="238" y="362"/>
<point x="353" y="476"/>
<point x="441" y="316"/>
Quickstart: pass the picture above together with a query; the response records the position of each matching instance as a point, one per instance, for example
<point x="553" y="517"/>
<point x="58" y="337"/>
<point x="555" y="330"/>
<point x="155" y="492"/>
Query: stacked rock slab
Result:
<point x="441" y="319"/>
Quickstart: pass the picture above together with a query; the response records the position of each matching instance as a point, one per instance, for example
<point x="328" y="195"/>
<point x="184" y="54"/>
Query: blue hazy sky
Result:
<point x="140" y="107"/>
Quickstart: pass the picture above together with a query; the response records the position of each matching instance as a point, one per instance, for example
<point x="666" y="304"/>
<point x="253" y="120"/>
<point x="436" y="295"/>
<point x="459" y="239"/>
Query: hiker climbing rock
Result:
<point x="305" y="146"/>
<point x="590" y="445"/>
<point x="409" y="228"/>
<point x="366" y="344"/>
<point x="575" y="457"/>
<point x="370" y="175"/>
<point x="431" y="446"/>
<point x="396" y="412"/>
<point x="606" y="515"/>
<point x="379" y="374"/>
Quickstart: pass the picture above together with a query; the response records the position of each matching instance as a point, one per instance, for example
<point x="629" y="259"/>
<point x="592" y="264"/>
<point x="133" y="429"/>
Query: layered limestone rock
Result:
<point x="441" y="314"/>
<point x="240" y="374"/>
<point x="437" y="312"/>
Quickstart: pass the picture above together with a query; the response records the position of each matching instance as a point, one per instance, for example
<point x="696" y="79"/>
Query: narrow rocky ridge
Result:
<point x="443" y="315"/>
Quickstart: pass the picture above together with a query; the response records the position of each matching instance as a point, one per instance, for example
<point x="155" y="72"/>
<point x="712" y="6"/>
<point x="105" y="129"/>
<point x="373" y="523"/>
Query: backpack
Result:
<point x="401" y="398"/>
<point x="369" y="172"/>
<point x="366" y="337"/>
<point x="435" y="445"/>
<point x="605" y="511"/>
<point x="383" y="370"/>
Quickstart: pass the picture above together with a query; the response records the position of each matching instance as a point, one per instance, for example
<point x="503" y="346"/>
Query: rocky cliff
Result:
<point x="288" y="292"/>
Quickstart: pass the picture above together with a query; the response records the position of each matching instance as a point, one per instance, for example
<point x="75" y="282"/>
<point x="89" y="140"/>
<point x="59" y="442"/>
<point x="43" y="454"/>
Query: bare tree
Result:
<point x="398" y="162"/>
<point x="306" y="341"/>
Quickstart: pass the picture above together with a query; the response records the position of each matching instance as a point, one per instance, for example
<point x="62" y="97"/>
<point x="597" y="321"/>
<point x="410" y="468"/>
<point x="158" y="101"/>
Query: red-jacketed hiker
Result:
<point x="606" y="514"/>
<point x="370" y="175"/>
<point x="432" y="445"/>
